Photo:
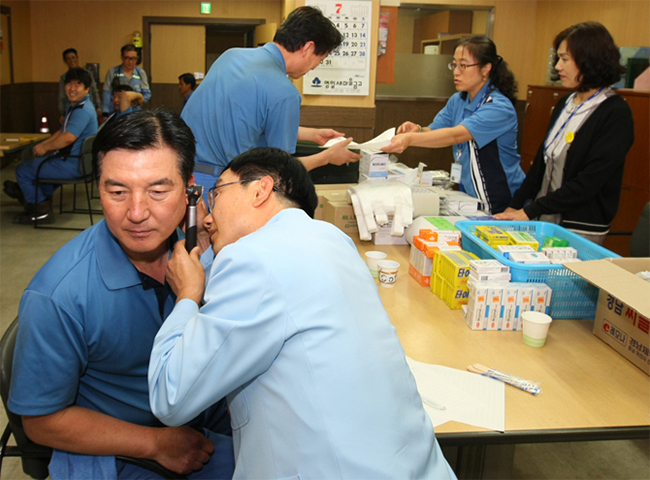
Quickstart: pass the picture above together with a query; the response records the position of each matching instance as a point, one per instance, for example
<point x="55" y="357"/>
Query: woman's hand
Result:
<point x="409" y="127"/>
<point x="512" y="214"/>
<point x="398" y="143"/>
<point x="185" y="273"/>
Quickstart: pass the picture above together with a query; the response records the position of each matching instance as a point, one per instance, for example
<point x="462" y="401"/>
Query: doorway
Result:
<point x="218" y="39"/>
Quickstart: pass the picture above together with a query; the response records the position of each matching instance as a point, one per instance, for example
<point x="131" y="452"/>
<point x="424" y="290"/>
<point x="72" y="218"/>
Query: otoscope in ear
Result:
<point x="194" y="193"/>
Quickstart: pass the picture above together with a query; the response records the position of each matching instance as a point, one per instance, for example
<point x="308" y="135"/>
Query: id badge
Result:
<point x="456" y="172"/>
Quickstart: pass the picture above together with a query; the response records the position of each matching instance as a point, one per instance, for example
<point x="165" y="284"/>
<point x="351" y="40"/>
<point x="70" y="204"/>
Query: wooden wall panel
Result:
<point x="626" y="20"/>
<point x="176" y="49"/>
<point x="109" y="24"/>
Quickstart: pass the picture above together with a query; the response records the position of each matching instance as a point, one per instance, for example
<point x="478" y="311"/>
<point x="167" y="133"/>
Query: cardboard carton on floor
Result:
<point x="341" y="214"/>
<point x="623" y="312"/>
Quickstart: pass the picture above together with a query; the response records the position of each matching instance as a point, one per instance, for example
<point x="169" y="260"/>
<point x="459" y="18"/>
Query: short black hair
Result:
<point x="122" y="87"/>
<point x="308" y="24"/>
<point x="69" y="50"/>
<point x="292" y="182"/>
<point x="594" y="53"/>
<point x="129" y="47"/>
<point x="143" y="130"/>
<point x="189" y="79"/>
<point x="80" y="74"/>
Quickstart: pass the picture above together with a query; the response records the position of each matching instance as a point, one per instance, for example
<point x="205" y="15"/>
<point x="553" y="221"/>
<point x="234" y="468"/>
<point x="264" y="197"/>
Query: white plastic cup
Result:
<point x="388" y="273"/>
<point x="372" y="260"/>
<point x="536" y="325"/>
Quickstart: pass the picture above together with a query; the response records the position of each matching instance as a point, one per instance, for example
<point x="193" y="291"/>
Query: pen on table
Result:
<point x="433" y="404"/>
<point x="521" y="383"/>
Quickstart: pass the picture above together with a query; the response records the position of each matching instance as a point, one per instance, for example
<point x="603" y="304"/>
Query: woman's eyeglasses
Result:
<point x="460" y="66"/>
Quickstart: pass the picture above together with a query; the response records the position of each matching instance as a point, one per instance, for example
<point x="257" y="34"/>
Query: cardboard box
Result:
<point x="623" y="312"/>
<point x="341" y="215"/>
<point x="335" y="192"/>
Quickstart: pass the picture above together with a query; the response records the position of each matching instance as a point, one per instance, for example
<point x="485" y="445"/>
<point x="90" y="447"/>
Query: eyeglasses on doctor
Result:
<point x="460" y="66"/>
<point x="212" y="193"/>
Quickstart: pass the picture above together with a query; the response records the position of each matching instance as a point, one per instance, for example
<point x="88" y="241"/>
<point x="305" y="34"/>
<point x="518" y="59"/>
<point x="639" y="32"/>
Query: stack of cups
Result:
<point x="385" y="270"/>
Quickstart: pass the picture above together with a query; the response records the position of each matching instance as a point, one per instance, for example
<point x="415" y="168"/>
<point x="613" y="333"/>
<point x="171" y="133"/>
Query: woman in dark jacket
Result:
<point x="575" y="180"/>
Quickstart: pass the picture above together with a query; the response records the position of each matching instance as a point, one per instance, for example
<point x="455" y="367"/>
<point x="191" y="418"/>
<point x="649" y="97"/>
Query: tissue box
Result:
<point x="373" y="165"/>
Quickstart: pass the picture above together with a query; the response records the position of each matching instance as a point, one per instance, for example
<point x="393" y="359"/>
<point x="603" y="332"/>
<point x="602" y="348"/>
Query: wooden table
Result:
<point x="19" y="143"/>
<point x="589" y="391"/>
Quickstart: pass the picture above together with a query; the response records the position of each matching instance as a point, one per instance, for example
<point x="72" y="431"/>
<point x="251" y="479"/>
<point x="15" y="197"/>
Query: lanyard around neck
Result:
<point x="547" y="146"/>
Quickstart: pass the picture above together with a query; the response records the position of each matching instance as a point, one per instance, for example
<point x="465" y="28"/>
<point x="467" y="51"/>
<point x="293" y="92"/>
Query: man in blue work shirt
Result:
<point x="247" y="99"/>
<point x="186" y="86"/>
<point x="88" y="318"/>
<point x="71" y="59"/>
<point x="80" y="122"/>
<point x="127" y="74"/>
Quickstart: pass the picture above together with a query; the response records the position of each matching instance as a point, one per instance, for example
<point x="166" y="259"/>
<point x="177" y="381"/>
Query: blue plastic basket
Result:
<point x="572" y="297"/>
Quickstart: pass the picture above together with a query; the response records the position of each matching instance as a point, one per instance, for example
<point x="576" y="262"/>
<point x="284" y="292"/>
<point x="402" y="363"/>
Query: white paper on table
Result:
<point x="468" y="398"/>
<point x="373" y="146"/>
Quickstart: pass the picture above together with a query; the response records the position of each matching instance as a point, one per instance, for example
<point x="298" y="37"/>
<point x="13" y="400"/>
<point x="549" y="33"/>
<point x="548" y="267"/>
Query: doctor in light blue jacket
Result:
<point x="292" y="329"/>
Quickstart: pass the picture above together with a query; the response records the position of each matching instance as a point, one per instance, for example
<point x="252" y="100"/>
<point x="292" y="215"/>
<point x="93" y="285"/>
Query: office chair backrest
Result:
<point x="35" y="457"/>
<point x="86" y="158"/>
<point x="640" y="241"/>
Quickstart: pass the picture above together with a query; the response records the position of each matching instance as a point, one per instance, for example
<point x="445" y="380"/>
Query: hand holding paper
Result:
<point x="373" y="146"/>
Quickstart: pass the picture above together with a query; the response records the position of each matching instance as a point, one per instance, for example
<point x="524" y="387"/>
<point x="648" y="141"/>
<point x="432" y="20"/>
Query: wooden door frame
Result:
<point x="147" y="22"/>
<point x="7" y="11"/>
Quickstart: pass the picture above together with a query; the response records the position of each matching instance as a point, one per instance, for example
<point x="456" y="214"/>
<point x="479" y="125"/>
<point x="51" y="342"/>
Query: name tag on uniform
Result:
<point x="456" y="172"/>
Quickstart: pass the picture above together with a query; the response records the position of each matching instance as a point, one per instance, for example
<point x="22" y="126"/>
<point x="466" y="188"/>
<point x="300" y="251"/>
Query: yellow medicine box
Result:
<point x="491" y="235"/>
<point x="522" y="238"/>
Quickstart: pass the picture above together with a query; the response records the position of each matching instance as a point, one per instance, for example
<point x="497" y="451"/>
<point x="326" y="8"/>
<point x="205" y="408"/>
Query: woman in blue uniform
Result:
<point x="576" y="177"/>
<point x="480" y="122"/>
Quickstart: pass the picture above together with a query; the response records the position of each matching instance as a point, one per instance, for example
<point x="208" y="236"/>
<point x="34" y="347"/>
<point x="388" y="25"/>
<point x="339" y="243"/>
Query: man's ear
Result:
<point x="263" y="191"/>
<point x="308" y="47"/>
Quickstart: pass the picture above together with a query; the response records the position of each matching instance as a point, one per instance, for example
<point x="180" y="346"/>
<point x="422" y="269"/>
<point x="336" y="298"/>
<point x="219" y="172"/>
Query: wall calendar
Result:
<point x="345" y="71"/>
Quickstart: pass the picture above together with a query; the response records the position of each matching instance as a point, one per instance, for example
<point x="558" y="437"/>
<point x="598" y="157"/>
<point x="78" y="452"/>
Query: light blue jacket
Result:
<point x="293" y="331"/>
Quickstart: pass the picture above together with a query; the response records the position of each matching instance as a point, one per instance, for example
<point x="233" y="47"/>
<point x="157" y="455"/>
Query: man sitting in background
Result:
<point x="125" y="100"/>
<point x="88" y="318"/>
<point x="186" y="86"/>
<point x="72" y="61"/>
<point x="127" y="73"/>
<point x="80" y="122"/>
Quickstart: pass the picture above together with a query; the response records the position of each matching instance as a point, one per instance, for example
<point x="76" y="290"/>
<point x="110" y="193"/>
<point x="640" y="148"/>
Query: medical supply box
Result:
<point x="623" y="314"/>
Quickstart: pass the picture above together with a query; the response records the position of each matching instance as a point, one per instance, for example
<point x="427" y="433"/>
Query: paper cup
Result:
<point x="372" y="259"/>
<point x="388" y="273"/>
<point x="536" y="327"/>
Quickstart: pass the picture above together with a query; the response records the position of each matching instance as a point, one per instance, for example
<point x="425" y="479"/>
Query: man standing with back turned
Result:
<point x="294" y="333"/>
<point x="247" y="101"/>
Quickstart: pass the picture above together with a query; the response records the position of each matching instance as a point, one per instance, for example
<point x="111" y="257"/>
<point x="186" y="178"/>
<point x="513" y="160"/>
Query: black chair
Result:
<point x="87" y="178"/>
<point x="640" y="241"/>
<point x="36" y="458"/>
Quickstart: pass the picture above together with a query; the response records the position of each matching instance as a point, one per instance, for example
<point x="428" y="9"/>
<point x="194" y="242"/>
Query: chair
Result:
<point x="35" y="458"/>
<point x="87" y="177"/>
<point x="640" y="241"/>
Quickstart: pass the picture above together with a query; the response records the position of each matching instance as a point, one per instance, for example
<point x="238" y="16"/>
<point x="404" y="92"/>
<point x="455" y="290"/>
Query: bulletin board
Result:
<point x="345" y="71"/>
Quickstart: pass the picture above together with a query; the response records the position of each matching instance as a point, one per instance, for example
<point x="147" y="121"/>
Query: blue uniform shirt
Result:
<point x="245" y="101"/>
<point x="81" y="123"/>
<point x="494" y="120"/>
<point x="85" y="333"/>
